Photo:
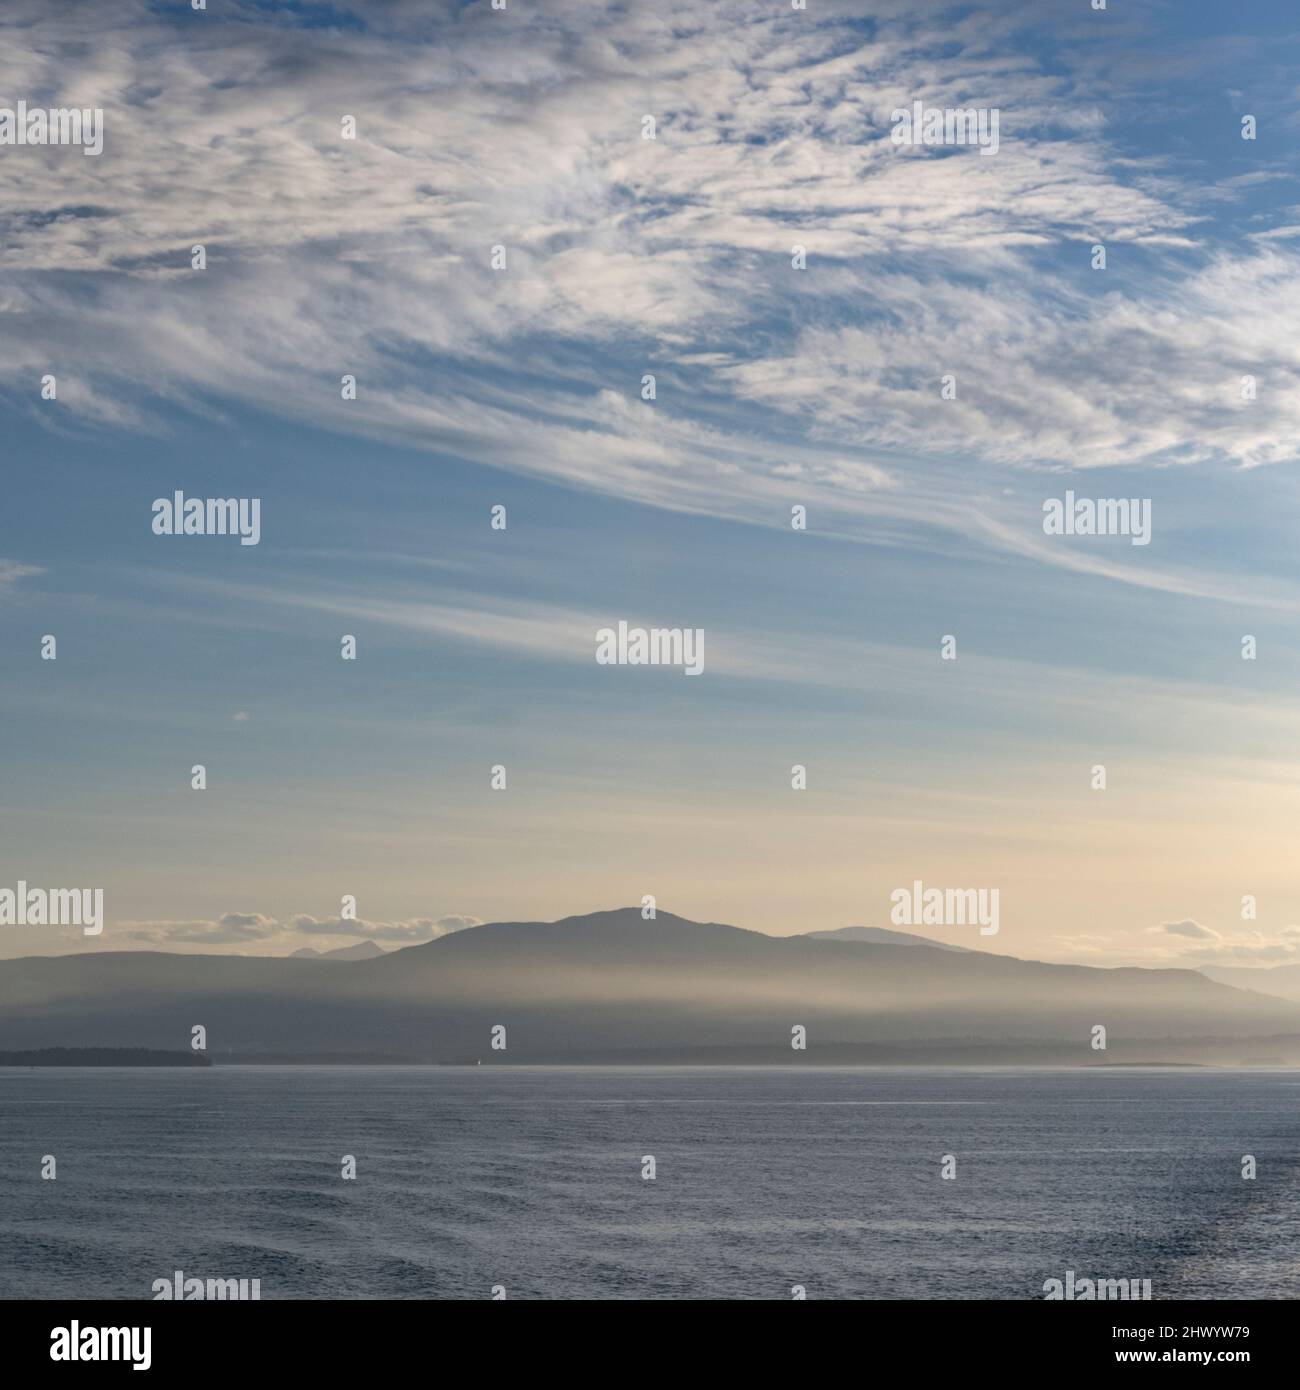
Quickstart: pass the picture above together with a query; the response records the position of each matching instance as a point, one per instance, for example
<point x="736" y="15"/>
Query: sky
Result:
<point x="777" y="385"/>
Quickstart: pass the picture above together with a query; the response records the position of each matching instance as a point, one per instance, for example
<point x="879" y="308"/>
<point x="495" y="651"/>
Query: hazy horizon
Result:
<point x="289" y="943"/>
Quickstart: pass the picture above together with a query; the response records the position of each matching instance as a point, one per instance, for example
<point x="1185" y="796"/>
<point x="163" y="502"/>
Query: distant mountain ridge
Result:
<point x="1281" y="981"/>
<point x="882" y="936"/>
<point x="361" y="950"/>
<point x="614" y="986"/>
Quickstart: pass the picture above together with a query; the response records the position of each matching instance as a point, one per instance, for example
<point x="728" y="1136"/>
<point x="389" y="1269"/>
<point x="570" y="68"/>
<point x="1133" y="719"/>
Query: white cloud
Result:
<point x="11" y="572"/>
<point x="232" y="928"/>
<point x="1189" y="928"/>
<point x="370" y="256"/>
<point x="240" y="928"/>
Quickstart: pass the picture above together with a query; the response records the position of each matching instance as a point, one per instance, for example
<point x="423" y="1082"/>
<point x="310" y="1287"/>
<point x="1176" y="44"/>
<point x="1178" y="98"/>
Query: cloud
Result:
<point x="1084" y="377"/>
<point x="232" y="928"/>
<point x="11" y="572"/>
<point x="1188" y="928"/>
<point x="1193" y="944"/>
<point x="410" y="930"/>
<point x="452" y="924"/>
<point x="238" y="928"/>
<point x="373" y="256"/>
<point x="1254" y="948"/>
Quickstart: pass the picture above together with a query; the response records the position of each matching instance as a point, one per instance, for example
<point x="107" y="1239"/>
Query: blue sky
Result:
<point x="775" y="387"/>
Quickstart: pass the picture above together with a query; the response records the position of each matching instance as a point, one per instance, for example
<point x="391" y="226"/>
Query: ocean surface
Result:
<point x="531" y="1178"/>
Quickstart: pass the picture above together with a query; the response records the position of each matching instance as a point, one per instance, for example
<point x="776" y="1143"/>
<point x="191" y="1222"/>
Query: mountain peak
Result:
<point x="360" y="950"/>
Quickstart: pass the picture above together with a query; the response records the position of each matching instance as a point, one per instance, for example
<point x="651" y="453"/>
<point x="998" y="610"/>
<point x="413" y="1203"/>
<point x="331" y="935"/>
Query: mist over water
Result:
<point x="531" y="1178"/>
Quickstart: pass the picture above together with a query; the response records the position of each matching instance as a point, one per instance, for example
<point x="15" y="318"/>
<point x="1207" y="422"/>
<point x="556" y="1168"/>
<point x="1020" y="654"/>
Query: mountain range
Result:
<point x="611" y="986"/>
<point x="362" y="950"/>
<point x="1281" y="981"/>
<point x="882" y="936"/>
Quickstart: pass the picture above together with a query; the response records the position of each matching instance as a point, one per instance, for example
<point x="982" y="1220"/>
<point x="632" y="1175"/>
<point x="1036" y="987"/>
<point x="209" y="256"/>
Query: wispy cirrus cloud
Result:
<point x="11" y="572"/>
<point x="523" y="129"/>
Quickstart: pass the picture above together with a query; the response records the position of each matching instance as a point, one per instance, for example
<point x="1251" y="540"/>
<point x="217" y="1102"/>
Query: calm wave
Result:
<point x="531" y="1178"/>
